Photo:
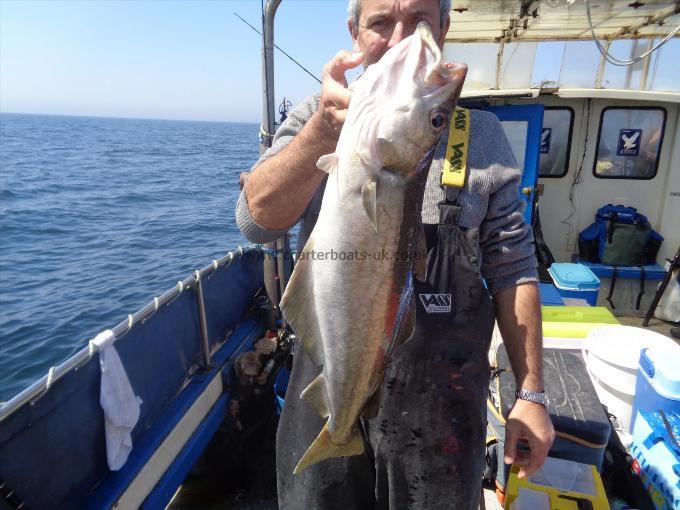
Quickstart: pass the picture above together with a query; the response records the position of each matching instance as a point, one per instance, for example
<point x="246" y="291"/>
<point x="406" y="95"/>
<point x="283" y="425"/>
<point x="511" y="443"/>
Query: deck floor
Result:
<point x="211" y="485"/>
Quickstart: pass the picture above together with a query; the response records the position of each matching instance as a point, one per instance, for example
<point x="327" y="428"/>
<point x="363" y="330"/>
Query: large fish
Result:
<point x="348" y="296"/>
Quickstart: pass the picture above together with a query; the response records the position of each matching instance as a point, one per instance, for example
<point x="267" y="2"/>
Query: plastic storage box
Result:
<point x="574" y="321"/>
<point x="581" y="426"/>
<point x="558" y="485"/>
<point x="575" y="281"/>
<point x="657" y="456"/>
<point x="657" y="387"/>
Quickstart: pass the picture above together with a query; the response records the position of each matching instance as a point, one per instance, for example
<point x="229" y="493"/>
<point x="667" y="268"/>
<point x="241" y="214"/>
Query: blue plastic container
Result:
<point x="657" y="456"/>
<point x="549" y="295"/>
<point x="657" y="387"/>
<point x="575" y="281"/>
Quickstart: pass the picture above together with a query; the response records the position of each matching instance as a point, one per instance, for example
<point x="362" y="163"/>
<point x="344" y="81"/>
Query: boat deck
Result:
<point x="213" y="486"/>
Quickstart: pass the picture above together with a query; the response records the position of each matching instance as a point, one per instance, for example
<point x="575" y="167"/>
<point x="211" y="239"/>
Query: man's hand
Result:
<point x="335" y="95"/>
<point x="280" y="188"/>
<point x="530" y="423"/>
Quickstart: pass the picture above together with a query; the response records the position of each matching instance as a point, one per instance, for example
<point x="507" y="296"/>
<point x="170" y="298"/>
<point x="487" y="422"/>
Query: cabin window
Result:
<point x="629" y="142"/>
<point x="558" y="123"/>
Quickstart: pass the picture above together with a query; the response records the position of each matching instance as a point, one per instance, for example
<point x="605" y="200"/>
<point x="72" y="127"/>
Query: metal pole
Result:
<point x="275" y="274"/>
<point x="268" y="99"/>
<point x="203" y="322"/>
<point x="645" y="65"/>
<point x="601" y="67"/>
<point x="499" y="63"/>
<point x="675" y="264"/>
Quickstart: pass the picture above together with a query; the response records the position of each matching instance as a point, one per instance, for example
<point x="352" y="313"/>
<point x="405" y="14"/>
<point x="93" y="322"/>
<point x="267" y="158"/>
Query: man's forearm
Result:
<point x="280" y="188"/>
<point x="518" y="312"/>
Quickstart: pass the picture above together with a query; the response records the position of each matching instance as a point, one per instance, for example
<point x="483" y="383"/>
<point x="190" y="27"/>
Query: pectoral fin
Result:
<point x="328" y="163"/>
<point x="369" y="193"/>
<point x="322" y="448"/>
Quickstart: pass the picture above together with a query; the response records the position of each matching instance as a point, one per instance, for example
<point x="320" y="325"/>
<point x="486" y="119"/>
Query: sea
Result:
<point x="97" y="216"/>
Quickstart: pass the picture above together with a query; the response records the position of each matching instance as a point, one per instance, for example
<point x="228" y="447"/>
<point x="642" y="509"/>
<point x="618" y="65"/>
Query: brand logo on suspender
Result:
<point x="455" y="163"/>
<point x="456" y="160"/>
<point x="436" y="303"/>
<point x="460" y="120"/>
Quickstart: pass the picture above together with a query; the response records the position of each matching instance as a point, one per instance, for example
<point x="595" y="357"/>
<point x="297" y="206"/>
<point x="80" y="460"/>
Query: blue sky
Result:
<point x="158" y="59"/>
<point x="196" y="60"/>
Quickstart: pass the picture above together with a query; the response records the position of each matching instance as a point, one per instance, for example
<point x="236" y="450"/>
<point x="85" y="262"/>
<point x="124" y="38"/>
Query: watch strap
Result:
<point x="538" y="397"/>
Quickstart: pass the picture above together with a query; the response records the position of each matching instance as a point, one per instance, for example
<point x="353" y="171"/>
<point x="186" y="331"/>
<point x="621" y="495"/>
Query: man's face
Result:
<point x="384" y="23"/>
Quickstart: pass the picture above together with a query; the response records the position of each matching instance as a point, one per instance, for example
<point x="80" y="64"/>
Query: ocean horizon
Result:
<point x="73" y="115"/>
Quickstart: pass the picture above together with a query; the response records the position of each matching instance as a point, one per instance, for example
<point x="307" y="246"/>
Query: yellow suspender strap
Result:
<point x="455" y="164"/>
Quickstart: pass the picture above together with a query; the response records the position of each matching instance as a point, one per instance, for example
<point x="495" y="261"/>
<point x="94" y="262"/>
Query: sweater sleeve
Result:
<point x="506" y="240"/>
<point x="296" y="120"/>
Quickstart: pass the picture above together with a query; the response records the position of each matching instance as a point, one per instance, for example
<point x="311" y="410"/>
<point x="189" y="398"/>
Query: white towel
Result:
<point x="118" y="400"/>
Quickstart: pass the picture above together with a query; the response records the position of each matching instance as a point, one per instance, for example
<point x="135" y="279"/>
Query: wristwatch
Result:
<point x="537" y="397"/>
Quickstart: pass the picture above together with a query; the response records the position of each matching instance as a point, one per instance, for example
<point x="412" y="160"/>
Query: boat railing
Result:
<point x="194" y="282"/>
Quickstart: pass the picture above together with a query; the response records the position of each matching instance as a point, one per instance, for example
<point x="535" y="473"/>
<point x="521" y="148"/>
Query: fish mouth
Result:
<point x="439" y="75"/>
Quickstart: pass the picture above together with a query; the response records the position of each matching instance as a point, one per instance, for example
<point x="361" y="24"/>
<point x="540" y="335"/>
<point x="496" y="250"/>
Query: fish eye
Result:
<point x="437" y="120"/>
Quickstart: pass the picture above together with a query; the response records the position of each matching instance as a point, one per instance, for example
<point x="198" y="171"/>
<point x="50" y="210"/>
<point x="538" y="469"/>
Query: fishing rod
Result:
<point x="286" y="54"/>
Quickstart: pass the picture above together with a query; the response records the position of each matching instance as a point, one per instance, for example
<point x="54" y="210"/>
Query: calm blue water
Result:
<point x="97" y="216"/>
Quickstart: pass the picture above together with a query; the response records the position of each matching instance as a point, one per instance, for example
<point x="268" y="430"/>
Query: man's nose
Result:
<point x="401" y="31"/>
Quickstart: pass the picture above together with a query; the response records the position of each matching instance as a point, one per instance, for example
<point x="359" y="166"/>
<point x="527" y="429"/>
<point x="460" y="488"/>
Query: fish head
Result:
<point x="420" y="92"/>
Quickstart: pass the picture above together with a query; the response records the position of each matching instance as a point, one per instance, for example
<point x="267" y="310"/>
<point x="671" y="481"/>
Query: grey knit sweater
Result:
<point x="489" y="202"/>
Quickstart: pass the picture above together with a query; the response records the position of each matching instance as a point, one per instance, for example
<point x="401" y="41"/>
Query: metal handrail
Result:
<point x="42" y="385"/>
<point x="268" y="99"/>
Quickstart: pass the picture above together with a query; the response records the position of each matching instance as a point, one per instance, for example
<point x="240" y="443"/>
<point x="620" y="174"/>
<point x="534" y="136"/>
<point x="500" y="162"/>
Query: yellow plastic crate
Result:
<point x="574" y="321"/>
<point x="558" y="485"/>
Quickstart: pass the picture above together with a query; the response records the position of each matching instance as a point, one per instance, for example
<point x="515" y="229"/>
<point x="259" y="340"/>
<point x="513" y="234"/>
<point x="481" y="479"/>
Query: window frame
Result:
<point x="658" y="151"/>
<point x="571" y="132"/>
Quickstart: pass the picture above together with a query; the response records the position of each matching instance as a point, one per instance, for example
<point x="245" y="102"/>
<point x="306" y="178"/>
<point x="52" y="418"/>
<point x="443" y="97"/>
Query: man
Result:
<point x="425" y="448"/>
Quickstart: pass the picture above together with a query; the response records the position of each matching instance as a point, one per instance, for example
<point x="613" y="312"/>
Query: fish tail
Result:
<point x="322" y="449"/>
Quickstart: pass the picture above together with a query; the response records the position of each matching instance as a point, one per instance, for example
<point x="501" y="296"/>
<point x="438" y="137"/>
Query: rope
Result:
<point x="616" y="61"/>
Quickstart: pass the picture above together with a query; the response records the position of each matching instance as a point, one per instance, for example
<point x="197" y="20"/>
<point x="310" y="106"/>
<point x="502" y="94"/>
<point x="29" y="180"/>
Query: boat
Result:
<point x="181" y="351"/>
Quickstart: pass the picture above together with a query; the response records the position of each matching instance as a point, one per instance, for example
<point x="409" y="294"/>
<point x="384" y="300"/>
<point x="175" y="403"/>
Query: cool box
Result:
<point x="575" y="281"/>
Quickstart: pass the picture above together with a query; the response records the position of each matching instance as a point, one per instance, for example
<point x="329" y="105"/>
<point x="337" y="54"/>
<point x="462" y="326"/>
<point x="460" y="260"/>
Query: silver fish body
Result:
<point x="346" y="298"/>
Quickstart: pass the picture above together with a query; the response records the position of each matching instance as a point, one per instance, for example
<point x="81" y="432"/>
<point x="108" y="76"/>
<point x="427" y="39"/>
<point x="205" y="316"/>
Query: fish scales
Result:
<point x="347" y="298"/>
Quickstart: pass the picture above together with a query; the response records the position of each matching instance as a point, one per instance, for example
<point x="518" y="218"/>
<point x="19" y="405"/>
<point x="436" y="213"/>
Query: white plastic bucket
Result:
<point x="612" y="354"/>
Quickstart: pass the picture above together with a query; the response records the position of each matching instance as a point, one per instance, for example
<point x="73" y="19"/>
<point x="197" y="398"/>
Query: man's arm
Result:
<point x="279" y="189"/>
<point x="518" y="313"/>
<point x="509" y="267"/>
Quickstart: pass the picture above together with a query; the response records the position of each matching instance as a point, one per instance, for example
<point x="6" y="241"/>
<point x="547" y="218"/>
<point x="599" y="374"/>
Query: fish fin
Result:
<point x="322" y="449"/>
<point x="368" y="197"/>
<point x="315" y="395"/>
<point x="297" y="305"/>
<point x="327" y="163"/>
<point x="372" y="405"/>
<point x="420" y="254"/>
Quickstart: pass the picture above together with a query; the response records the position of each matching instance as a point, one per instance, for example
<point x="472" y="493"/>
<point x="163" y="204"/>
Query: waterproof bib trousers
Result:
<point x="425" y="448"/>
